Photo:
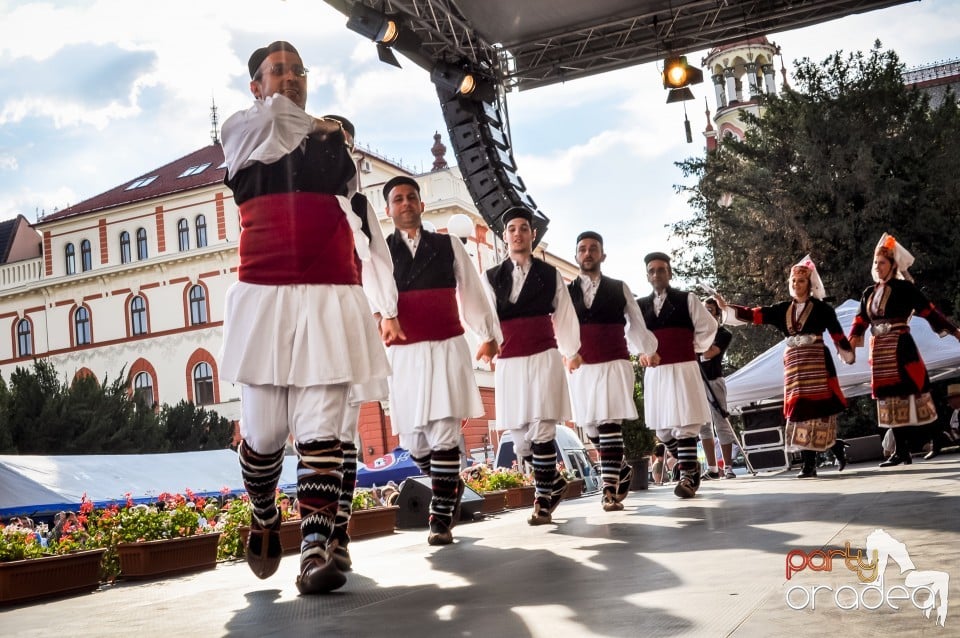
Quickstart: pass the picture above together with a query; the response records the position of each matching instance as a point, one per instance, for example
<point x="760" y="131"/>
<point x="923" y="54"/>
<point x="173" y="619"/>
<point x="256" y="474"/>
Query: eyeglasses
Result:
<point x="279" y="70"/>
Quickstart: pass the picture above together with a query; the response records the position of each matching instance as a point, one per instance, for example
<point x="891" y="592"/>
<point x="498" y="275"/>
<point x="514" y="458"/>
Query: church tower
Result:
<point x="742" y="73"/>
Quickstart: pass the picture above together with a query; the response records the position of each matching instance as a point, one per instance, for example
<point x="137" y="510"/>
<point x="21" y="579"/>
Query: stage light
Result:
<point x="453" y="79"/>
<point x="373" y="24"/>
<point x="677" y="74"/>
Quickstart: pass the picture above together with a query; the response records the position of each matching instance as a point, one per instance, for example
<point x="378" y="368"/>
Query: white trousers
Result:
<point x="541" y="431"/>
<point x="442" y="434"/>
<point x="269" y="414"/>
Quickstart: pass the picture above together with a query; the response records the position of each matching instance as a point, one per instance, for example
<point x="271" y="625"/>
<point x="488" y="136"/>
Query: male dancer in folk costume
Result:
<point x="899" y="378"/>
<point x="812" y="397"/>
<point x="377" y="278"/>
<point x="536" y="317"/>
<point x="675" y="396"/>
<point x="602" y="388"/>
<point x="432" y="388"/>
<point x="299" y="336"/>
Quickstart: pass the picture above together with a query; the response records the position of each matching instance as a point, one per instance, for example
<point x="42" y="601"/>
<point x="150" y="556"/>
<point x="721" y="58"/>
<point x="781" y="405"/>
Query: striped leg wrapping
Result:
<point x="319" y="483"/>
<point x="423" y="462"/>
<point x="545" y="474"/>
<point x="687" y="455"/>
<point x="611" y="453"/>
<point x="444" y="480"/>
<point x="260" y="473"/>
<point x="345" y="506"/>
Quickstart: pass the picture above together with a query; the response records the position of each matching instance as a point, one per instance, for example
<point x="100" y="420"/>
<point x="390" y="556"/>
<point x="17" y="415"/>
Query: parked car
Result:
<point x="570" y="451"/>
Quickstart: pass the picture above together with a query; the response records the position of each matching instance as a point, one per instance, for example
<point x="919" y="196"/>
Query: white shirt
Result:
<point x="270" y="129"/>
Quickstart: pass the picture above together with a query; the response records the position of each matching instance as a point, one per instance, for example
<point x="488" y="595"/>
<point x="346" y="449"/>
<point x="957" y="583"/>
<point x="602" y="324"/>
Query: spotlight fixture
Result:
<point x="453" y="79"/>
<point x="373" y="24"/>
<point x="677" y="74"/>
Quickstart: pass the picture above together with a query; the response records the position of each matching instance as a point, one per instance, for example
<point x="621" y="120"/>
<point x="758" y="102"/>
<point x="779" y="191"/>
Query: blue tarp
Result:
<point x="395" y="466"/>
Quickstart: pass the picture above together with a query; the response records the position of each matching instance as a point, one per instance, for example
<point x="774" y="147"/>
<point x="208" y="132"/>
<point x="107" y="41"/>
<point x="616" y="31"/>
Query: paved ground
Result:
<point x="711" y="566"/>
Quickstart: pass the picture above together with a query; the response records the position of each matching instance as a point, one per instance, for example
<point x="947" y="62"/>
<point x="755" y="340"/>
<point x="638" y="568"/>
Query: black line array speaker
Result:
<point x="414" y="503"/>
<point x="482" y="146"/>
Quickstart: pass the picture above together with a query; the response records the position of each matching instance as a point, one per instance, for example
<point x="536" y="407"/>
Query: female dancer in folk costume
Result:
<point x="812" y="398"/>
<point x="899" y="380"/>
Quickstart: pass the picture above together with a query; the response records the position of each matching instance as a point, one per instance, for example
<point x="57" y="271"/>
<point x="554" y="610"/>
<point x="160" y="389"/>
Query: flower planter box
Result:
<point x="33" y="578"/>
<point x="493" y="501"/>
<point x="574" y="489"/>
<point x="372" y="522"/>
<point x="521" y="496"/>
<point x="149" y="559"/>
<point x="290" y="536"/>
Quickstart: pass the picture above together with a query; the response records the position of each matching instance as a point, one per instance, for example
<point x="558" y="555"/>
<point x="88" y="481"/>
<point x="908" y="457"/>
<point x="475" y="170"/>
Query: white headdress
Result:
<point x="816" y="284"/>
<point x="889" y="247"/>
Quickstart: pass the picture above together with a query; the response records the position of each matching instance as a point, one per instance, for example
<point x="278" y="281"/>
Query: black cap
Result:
<point x="344" y="122"/>
<point x="516" y="211"/>
<point x="657" y="255"/>
<point x="589" y="234"/>
<point x="258" y="56"/>
<point x="397" y="181"/>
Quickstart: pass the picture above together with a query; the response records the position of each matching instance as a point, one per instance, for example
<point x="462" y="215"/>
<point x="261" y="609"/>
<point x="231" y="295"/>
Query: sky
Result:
<point x="100" y="92"/>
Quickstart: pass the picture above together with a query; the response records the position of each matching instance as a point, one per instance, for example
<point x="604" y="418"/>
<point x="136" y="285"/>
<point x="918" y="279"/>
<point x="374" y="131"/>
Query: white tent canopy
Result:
<point x="762" y="379"/>
<point x="35" y="485"/>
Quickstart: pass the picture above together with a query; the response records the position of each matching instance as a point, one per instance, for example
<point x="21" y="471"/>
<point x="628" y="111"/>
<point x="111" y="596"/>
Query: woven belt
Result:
<point x="884" y="327"/>
<point x="794" y="341"/>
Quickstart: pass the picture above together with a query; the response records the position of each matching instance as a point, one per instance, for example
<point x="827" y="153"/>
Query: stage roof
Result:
<point x="532" y="43"/>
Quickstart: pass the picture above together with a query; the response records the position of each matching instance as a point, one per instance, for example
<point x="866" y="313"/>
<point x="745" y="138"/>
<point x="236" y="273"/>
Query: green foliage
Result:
<point x="17" y="543"/>
<point x="188" y="427"/>
<point x="40" y="414"/>
<point x="236" y="513"/>
<point x="364" y="500"/>
<point x="846" y="155"/>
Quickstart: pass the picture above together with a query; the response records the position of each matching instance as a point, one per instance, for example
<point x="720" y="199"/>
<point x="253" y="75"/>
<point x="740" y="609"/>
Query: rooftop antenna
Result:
<point x="214" y="129"/>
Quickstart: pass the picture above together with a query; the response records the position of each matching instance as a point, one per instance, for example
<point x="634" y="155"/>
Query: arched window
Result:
<point x="138" y="316"/>
<point x="71" y="259"/>
<point x="201" y="231"/>
<point x="141" y="243"/>
<point x="125" y="247"/>
<point x="198" y="306"/>
<point x="86" y="258"/>
<point x="183" y="234"/>
<point x="203" y="384"/>
<point x="143" y="389"/>
<point x="24" y="338"/>
<point x="81" y="324"/>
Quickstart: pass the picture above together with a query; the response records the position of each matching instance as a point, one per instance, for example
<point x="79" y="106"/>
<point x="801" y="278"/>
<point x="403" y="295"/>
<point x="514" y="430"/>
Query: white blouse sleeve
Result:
<point x="639" y="338"/>
<point x="270" y="129"/>
<point x="475" y="307"/>
<point x="377" y="274"/>
<point x="566" y="326"/>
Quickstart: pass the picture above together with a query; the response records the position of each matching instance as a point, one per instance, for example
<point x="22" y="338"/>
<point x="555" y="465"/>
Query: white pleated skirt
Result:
<point x="432" y="380"/>
<point x="674" y="396"/>
<point x="301" y="335"/>
<point x="531" y="389"/>
<point x="602" y="392"/>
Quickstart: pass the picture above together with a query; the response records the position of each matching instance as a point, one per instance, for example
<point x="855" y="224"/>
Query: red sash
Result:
<point x="428" y="315"/>
<point x="525" y="336"/>
<point x="675" y="345"/>
<point x="602" y="342"/>
<point x="296" y="238"/>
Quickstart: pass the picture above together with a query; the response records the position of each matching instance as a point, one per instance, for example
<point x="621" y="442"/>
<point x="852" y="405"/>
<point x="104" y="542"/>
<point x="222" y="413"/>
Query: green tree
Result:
<point x="188" y="427"/>
<point x="6" y="431"/>
<point x="848" y="154"/>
